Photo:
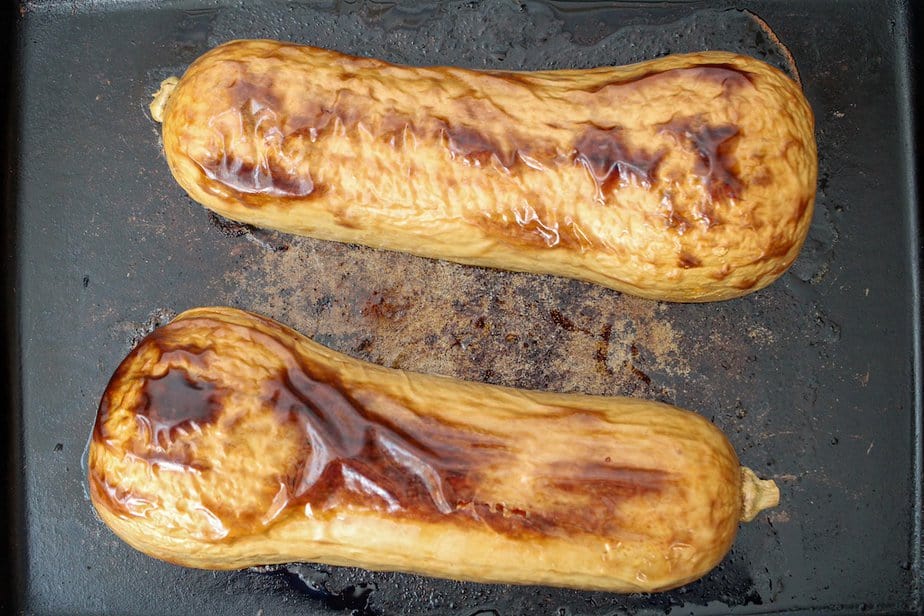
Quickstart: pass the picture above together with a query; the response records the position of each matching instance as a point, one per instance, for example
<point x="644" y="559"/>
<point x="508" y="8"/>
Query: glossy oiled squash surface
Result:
<point x="226" y="440"/>
<point x="686" y="178"/>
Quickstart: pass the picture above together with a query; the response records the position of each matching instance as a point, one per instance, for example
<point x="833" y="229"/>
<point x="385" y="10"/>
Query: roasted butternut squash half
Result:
<point x="226" y="440"/>
<point x="687" y="178"/>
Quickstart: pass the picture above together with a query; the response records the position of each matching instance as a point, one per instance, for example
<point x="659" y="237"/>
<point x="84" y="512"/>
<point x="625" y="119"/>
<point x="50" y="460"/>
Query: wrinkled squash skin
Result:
<point x="688" y="178"/>
<point x="226" y="440"/>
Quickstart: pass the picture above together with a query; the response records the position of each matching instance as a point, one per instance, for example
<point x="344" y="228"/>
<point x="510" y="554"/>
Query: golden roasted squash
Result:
<point x="687" y="178"/>
<point x="226" y="440"/>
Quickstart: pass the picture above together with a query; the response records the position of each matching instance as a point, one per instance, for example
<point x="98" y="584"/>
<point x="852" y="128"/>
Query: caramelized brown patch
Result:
<point x="244" y="92"/>
<point x="606" y="480"/>
<point x="349" y="110"/>
<point x="778" y="246"/>
<point x="245" y="177"/>
<point x="311" y="120"/>
<point x="803" y="207"/>
<point x="610" y="160"/>
<point x="176" y="402"/>
<point x="267" y="178"/>
<point x="423" y="468"/>
<point x="419" y="468"/>
<point x="477" y="148"/>
<point x="595" y="490"/>
<point x="189" y="355"/>
<point x="101" y="432"/>
<point x="261" y="152"/>
<point x="745" y="284"/>
<point x="707" y="215"/>
<point x="688" y="261"/>
<point x="728" y="76"/>
<point x="533" y="226"/>
<point x="392" y="129"/>
<point x="703" y="214"/>
<point x="716" y="164"/>
<point x="762" y="178"/>
<point x="168" y="407"/>
<point x="514" y="78"/>
<point x="675" y="220"/>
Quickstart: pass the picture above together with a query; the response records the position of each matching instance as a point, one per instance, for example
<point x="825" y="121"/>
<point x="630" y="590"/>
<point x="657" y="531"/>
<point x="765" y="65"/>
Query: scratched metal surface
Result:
<point x="812" y="378"/>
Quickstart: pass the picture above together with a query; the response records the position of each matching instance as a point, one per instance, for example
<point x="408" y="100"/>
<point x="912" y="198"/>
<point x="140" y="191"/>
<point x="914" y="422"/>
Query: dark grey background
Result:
<point x="813" y="379"/>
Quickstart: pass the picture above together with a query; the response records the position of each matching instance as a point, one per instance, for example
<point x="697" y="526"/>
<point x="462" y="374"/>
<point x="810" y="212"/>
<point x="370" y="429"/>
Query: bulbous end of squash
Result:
<point x="159" y="103"/>
<point x="756" y="494"/>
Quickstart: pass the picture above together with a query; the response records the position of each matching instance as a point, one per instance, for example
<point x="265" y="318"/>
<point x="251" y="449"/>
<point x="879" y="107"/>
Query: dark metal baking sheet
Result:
<point x="816" y="379"/>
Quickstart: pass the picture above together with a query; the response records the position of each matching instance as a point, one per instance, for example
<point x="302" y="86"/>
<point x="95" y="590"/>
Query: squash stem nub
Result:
<point x="159" y="103"/>
<point x="756" y="494"/>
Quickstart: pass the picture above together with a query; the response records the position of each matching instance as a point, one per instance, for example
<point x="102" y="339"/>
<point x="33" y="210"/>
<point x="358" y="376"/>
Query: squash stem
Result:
<point x="756" y="494"/>
<point x="159" y="103"/>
